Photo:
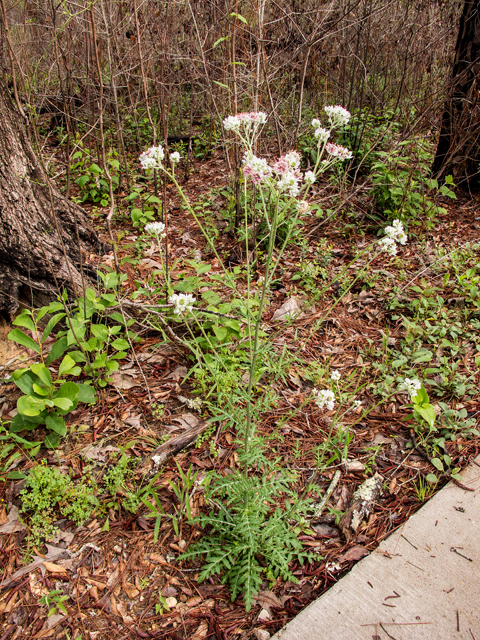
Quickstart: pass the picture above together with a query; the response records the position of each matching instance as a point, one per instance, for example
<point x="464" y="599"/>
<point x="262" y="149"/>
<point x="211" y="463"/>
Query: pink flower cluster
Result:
<point x="257" y="169"/>
<point x="233" y="123"/>
<point x="338" y="151"/>
<point x="287" y="168"/>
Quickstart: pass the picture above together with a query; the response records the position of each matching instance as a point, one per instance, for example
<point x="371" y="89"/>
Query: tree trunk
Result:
<point x="44" y="238"/>
<point x="458" y="151"/>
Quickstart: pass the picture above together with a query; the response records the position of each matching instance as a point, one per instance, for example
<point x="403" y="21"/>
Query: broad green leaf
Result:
<point x="58" y="349"/>
<point x="437" y="463"/>
<point x="56" y="423"/>
<point x="30" y="406"/>
<point x="19" y="337"/>
<point x="66" y="366"/>
<point x="52" y="441"/>
<point x="24" y="320"/>
<point x="219" y="41"/>
<point x="119" y="344"/>
<point x="68" y="390"/>
<point x="86" y="393"/>
<point x="427" y="412"/>
<point x="51" y="324"/>
<point x="41" y="391"/>
<point x="43" y="373"/>
<point x="63" y="403"/>
<point x="19" y="422"/>
<point x="25" y="380"/>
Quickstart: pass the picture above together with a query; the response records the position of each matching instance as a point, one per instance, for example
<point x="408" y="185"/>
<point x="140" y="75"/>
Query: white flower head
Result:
<point x="388" y="245"/>
<point x="155" y="229"/>
<point x="337" y="115"/>
<point x="321" y="134"/>
<point x="396" y="232"/>
<point x="175" y="157"/>
<point x="292" y="158"/>
<point x="356" y="404"/>
<point x="316" y="123"/>
<point x="324" y="398"/>
<point x="289" y="183"/>
<point x="309" y="177"/>
<point x="183" y="303"/>
<point x="256" y="169"/>
<point x="412" y="385"/>
<point x="303" y="207"/>
<point x="152" y="158"/>
<point x="335" y="376"/>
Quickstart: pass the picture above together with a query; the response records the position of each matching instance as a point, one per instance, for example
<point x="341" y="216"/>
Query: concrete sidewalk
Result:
<point x="421" y="583"/>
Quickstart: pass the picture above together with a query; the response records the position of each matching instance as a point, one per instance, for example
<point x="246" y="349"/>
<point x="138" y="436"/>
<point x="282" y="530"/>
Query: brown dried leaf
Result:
<point x="353" y="554"/>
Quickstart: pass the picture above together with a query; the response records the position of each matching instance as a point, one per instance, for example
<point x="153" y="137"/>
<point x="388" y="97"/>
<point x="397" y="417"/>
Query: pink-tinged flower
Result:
<point x="287" y="163"/>
<point x="338" y="151"/>
<point x="256" y="169"/>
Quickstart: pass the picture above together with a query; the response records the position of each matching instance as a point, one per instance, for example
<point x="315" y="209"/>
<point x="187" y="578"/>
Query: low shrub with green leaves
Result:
<point x="48" y="489"/>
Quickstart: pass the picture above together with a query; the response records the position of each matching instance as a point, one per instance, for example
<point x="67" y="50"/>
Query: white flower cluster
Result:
<point x="152" y="158"/>
<point x="175" y="157"/>
<point x="393" y="234"/>
<point x="337" y="115"/>
<point x="320" y="133"/>
<point x="412" y="385"/>
<point x="183" y="302"/>
<point x="287" y="168"/>
<point x="247" y="120"/>
<point x="335" y="376"/>
<point x="338" y="151"/>
<point x="303" y="207"/>
<point x="155" y="229"/>
<point x="256" y="169"/>
<point x="309" y="177"/>
<point x="324" y="398"/>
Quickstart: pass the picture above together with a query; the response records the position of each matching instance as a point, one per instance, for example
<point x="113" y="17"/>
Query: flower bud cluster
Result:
<point x="338" y="151"/>
<point x="324" y="398"/>
<point x="234" y="123"/>
<point x="393" y="234"/>
<point x="175" y="157"/>
<point x="287" y="168"/>
<point x="183" y="302"/>
<point x="152" y="158"/>
<point x="337" y="115"/>
<point x="155" y="229"/>
<point x="412" y="385"/>
<point x="256" y="169"/>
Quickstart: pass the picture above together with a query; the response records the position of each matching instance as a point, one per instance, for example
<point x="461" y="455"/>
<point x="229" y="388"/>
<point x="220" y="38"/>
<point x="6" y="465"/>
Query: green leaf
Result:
<point x="58" y="349"/>
<point x="15" y="475"/>
<point x="30" y="406"/>
<point x="437" y="463"/>
<point x="51" y="324"/>
<point x="25" y="381"/>
<point x="119" y="344"/>
<point x="19" y="423"/>
<point x="220" y="84"/>
<point x="43" y="373"/>
<point x="86" y="393"/>
<point x="427" y="412"/>
<point x="52" y="441"/>
<point x="63" y="403"/>
<point x="56" y="423"/>
<point x="219" y="41"/>
<point x="25" y="320"/>
<point x="237" y="15"/>
<point x="16" y="335"/>
<point x="66" y="366"/>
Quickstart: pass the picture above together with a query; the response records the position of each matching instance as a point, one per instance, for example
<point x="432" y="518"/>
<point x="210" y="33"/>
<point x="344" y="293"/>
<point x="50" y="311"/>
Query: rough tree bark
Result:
<point x="458" y="151"/>
<point x="41" y="246"/>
